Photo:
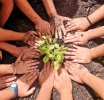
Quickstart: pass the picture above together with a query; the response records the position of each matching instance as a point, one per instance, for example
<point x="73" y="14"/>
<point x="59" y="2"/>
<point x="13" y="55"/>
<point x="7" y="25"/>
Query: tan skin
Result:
<point x="46" y="79"/>
<point x="56" y="21"/>
<point x="80" y="74"/>
<point x="42" y="26"/>
<point x="24" y="82"/>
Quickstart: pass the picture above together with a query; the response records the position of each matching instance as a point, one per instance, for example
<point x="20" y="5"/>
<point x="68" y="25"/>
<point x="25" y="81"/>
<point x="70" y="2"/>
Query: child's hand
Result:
<point x="43" y="28"/>
<point x="77" y="71"/>
<point x="62" y="82"/>
<point x="78" y="24"/>
<point x="25" y="82"/>
<point x="30" y="38"/>
<point x="79" y="54"/>
<point x="25" y="66"/>
<point x="46" y="76"/>
<point x="77" y="38"/>
<point x="57" y="26"/>
<point x="6" y="81"/>
<point x="29" y="52"/>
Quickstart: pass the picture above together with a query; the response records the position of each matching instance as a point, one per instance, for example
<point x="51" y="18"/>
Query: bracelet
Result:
<point x="14" y="67"/>
<point x="88" y="20"/>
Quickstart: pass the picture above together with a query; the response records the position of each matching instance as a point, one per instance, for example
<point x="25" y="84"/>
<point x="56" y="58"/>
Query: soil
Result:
<point x="70" y="8"/>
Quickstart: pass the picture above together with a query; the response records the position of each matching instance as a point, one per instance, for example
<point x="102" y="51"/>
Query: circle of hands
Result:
<point x="48" y="76"/>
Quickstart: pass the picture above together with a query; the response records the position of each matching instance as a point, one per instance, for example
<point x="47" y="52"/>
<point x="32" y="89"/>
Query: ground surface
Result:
<point x="69" y="8"/>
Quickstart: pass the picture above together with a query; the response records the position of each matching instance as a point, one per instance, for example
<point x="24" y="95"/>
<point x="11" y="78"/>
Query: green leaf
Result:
<point x="54" y="40"/>
<point x="45" y="59"/>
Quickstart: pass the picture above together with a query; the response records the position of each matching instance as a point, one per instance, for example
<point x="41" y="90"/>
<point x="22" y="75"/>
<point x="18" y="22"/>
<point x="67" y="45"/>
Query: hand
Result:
<point x="46" y="76"/>
<point x="25" y="66"/>
<point x="57" y="26"/>
<point x="43" y="28"/>
<point x="78" y="24"/>
<point x="77" y="71"/>
<point x="29" y="52"/>
<point x="62" y="82"/>
<point x="25" y="82"/>
<point x="30" y="38"/>
<point x="79" y="54"/>
<point x="6" y="80"/>
<point x="77" y="38"/>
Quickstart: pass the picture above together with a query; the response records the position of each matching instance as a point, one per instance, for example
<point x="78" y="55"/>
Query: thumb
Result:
<point x="31" y="91"/>
<point x="19" y="58"/>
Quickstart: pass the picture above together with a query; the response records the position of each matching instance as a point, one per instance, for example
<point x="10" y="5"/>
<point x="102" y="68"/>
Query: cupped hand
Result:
<point x="46" y="76"/>
<point x="62" y="82"/>
<point x="43" y="28"/>
<point x="25" y="82"/>
<point x="31" y="38"/>
<point x="57" y="26"/>
<point x="77" y="71"/>
<point x="79" y="54"/>
<point x="6" y="80"/>
<point x="25" y="66"/>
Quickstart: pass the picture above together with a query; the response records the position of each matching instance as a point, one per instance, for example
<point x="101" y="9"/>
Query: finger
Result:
<point x="70" y="57"/>
<point x="19" y="58"/>
<point x="31" y="91"/>
<point x="33" y="76"/>
<point x="48" y="64"/>
<point x="75" y="46"/>
<point x="56" y="34"/>
<point x="70" y="53"/>
<point x="78" y="61"/>
<point x="9" y="79"/>
<point x="7" y="84"/>
<point x="72" y="77"/>
<point x="39" y="34"/>
<point x="59" y="33"/>
<point x="53" y="30"/>
<point x="56" y="74"/>
<point x="63" y="29"/>
<point x="34" y="32"/>
<point x="78" y="43"/>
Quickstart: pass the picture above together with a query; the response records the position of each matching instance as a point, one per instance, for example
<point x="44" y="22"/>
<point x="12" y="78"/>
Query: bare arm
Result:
<point x="42" y="26"/>
<point x="50" y="8"/>
<point x="97" y="51"/>
<point x="95" y="83"/>
<point x="9" y="94"/>
<point x="6" y="35"/>
<point x="6" y="69"/>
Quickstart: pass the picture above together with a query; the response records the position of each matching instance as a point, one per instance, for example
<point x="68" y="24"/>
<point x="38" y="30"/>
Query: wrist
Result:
<point x="66" y="91"/>
<point x="38" y="20"/>
<point x="92" y="53"/>
<point x="86" y="77"/>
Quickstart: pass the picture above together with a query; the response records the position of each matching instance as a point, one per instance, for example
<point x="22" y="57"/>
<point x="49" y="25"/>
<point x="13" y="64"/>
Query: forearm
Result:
<point x="25" y="7"/>
<point x="45" y="93"/>
<point x="95" y="83"/>
<point x="94" y="33"/>
<point x="7" y="47"/>
<point x="97" y="51"/>
<point x="6" y="94"/>
<point x="6" y="69"/>
<point x="97" y="15"/>
<point x="66" y="96"/>
<point x="6" y="35"/>
<point x="50" y="8"/>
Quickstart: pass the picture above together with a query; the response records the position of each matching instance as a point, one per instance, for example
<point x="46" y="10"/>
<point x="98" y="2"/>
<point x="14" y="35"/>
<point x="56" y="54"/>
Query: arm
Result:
<point x="42" y="26"/>
<point x="56" y="21"/>
<point x="83" y="37"/>
<point x="7" y="35"/>
<point x="62" y="83"/>
<point x="81" y="24"/>
<point x="50" y="8"/>
<point x="24" y="82"/>
<point x="80" y="74"/>
<point x="46" y="81"/>
<point x="9" y="94"/>
<point x="6" y="69"/>
<point x="97" y="51"/>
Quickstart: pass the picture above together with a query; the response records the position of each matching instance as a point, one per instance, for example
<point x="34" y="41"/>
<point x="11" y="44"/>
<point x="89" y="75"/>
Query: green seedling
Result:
<point x="52" y="51"/>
